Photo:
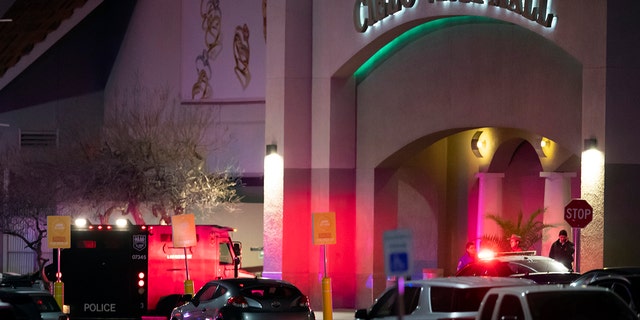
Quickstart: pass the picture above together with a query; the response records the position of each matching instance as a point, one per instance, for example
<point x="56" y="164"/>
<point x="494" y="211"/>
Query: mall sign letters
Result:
<point x="367" y="12"/>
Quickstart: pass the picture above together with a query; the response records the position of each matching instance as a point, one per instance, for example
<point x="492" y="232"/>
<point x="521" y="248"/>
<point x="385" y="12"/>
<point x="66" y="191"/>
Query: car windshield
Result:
<point x="445" y="299"/>
<point x="532" y="265"/>
<point x="588" y="305"/>
<point x="266" y="292"/>
<point x="387" y="304"/>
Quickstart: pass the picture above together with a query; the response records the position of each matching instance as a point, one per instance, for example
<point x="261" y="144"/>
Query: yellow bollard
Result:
<point x="327" y="306"/>
<point x="188" y="287"/>
<point x="58" y="293"/>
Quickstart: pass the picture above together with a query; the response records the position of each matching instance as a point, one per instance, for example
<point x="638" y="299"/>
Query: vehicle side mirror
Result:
<point x="189" y="298"/>
<point x="361" y="314"/>
<point x="237" y="248"/>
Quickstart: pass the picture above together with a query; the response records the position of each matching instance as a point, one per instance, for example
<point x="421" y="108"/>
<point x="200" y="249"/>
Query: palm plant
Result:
<point x="530" y="231"/>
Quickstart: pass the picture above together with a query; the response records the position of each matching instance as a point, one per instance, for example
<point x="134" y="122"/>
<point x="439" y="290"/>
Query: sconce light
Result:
<point x="272" y="149"/>
<point x="540" y="147"/>
<point x="475" y="140"/>
<point x="590" y="143"/>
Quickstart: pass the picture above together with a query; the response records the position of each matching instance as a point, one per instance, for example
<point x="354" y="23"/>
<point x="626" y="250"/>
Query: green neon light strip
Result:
<point x="411" y="35"/>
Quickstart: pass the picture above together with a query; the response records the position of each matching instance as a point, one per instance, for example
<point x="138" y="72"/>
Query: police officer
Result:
<point x="562" y="250"/>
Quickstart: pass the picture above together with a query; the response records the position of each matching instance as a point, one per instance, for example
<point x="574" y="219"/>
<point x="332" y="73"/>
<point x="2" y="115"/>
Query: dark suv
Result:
<point x="28" y="299"/>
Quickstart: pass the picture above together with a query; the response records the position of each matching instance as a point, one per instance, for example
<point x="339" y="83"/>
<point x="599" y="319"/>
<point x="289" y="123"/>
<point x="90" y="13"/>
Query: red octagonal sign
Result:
<point x="578" y="213"/>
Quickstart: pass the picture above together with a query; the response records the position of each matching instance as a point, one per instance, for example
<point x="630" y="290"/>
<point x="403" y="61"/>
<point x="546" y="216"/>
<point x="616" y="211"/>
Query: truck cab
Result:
<point x="544" y="302"/>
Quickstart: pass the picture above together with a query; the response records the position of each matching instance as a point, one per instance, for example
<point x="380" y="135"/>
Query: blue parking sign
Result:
<point x="399" y="262"/>
<point x="397" y="252"/>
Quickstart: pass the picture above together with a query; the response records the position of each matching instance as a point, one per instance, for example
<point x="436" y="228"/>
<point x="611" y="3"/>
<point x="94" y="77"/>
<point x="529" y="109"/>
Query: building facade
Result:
<point x="377" y="111"/>
<point x="422" y="115"/>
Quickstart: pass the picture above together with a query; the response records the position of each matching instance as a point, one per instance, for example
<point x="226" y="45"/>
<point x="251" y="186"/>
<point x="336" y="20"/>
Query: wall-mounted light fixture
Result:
<point x="590" y="143"/>
<point x="542" y="146"/>
<point x="476" y="144"/>
<point x="272" y="149"/>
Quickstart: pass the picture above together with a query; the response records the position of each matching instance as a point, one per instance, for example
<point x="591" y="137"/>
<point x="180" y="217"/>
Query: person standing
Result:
<point x="562" y="250"/>
<point x="514" y="243"/>
<point x="469" y="256"/>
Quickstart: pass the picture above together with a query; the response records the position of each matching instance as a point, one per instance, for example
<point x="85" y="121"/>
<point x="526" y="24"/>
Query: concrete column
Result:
<point x="557" y="193"/>
<point x="489" y="202"/>
<point x="287" y="122"/>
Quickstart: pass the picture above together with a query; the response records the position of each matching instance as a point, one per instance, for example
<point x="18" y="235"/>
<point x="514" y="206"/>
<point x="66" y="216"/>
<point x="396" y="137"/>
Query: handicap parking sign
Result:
<point x="399" y="262"/>
<point x="397" y="252"/>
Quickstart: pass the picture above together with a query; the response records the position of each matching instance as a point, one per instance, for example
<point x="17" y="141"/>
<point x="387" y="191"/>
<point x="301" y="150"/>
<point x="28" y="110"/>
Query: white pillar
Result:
<point x="489" y="202"/>
<point x="557" y="193"/>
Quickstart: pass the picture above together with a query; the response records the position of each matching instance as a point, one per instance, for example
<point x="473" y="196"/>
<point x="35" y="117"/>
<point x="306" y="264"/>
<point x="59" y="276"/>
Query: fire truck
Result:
<point x="135" y="272"/>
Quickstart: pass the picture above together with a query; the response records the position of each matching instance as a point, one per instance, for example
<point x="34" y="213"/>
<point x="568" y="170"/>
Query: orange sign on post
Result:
<point x="59" y="232"/>
<point x="324" y="228"/>
<point x="183" y="227"/>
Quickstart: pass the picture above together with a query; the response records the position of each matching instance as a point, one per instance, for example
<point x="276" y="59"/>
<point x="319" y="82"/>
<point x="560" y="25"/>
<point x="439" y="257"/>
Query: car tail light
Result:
<point x="304" y="301"/>
<point x="238" y="301"/>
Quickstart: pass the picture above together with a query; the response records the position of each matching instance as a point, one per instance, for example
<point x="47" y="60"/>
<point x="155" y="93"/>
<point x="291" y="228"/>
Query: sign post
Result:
<point x="398" y="261"/>
<point x="578" y="213"/>
<point x="324" y="233"/>
<point x="59" y="236"/>
<point x="183" y="230"/>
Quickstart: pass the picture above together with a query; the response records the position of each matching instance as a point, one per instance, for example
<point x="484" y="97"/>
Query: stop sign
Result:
<point x="578" y="213"/>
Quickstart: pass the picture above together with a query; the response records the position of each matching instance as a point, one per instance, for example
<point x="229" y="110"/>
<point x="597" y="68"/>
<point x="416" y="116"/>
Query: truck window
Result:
<point x="225" y="253"/>
<point x="510" y="308"/>
<point x="489" y="306"/>
<point x="445" y="299"/>
<point x="578" y="305"/>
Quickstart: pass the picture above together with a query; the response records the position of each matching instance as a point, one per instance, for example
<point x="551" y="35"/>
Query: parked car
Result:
<point x="28" y="298"/>
<point x="23" y="306"/>
<point x="436" y="298"/>
<point x="246" y="299"/>
<point x="6" y="312"/>
<point x="46" y="305"/>
<point x="553" y="302"/>
<point x="542" y="270"/>
<point x="625" y="281"/>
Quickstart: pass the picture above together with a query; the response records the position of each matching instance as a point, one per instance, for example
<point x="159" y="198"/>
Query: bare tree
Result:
<point x="152" y="151"/>
<point x="28" y="197"/>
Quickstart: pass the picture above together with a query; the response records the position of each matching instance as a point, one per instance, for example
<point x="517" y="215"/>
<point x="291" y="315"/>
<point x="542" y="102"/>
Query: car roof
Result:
<point x="631" y="274"/>
<point x="544" y="288"/>
<point x="616" y="270"/>
<point x="251" y="281"/>
<point x="470" y="282"/>
<point x="517" y="257"/>
<point x="549" y="277"/>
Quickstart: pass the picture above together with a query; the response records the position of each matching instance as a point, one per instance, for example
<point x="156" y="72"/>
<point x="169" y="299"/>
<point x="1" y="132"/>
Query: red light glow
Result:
<point x="87" y="244"/>
<point x="141" y="275"/>
<point x="140" y="283"/>
<point x="304" y="301"/>
<point x="486" y="254"/>
<point x="238" y="301"/>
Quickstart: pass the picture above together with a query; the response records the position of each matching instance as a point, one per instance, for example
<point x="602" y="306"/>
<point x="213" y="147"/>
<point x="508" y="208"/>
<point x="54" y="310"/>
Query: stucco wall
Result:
<point x="468" y="76"/>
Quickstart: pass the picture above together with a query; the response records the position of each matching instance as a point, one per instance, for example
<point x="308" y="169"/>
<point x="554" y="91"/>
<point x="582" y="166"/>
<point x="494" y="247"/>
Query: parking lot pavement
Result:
<point x="341" y="314"/>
